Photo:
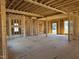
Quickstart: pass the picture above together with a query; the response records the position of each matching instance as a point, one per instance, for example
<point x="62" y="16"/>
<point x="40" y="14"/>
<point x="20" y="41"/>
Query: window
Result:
<point x="66" y="27"/>
<point x="16" y="29"/>
<point x="15" y="24"/>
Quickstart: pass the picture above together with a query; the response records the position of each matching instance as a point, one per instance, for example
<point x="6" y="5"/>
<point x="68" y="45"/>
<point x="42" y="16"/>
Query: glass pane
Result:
<point x="66" y="27"/>
<point x="16" y="29"/>
<point x="15" y="24"/>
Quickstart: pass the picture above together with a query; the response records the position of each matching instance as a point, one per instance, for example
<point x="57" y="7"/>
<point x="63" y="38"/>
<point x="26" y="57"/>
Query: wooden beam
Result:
<point x="55" y="2"/>
<point x="33" y="9"/>
<point x="49" y="1"/>
<point x="7" y="3"/>
<point x="45" y="6"/>
<point x="62" y="3"/>
<point x="22" y="5"/>
<point x="24" y="13"/>
<point x="17" y="4"/>
<point x="11" y="3"/>
<point x="25" y="7"/>
<point x="60" y="16"/>
<point x="3" y="32"/>
<point x="46" y="27"/>
<point x="35" y="0"/>
<point x="38" y="10"/>
<point x="67" y="4"/>
<point x="32" y="6"/>
<point x="75" y="9"/>
<point x="42" y="1"/>
<point x="48" y="13"/>
<point x="72" y="7"/>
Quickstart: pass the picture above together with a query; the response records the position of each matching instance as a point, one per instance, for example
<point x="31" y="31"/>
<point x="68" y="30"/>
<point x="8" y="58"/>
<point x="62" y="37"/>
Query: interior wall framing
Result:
<point x="60" y="25"/>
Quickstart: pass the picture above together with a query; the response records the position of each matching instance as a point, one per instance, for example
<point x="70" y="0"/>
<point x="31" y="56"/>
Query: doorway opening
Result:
<point x="54" y="28"/>
<point x="66" y="27"/>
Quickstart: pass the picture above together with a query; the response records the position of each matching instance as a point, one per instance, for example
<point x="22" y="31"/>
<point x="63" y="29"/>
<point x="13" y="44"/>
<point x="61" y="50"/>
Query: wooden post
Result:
<point x="34" y="28"/>
<point x="59" y="31"/>
<point x="31" y="27"/>
<point x="10" y="32"/>
<point x="24" y="26"/>
<point x="46" y="27"/>
<point x="3" y="40"/>
<point x="70" y="26"/>
<point x="37" y="27"/>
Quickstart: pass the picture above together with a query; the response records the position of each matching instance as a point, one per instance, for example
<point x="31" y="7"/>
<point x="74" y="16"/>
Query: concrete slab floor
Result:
<point x="37" y="47"/>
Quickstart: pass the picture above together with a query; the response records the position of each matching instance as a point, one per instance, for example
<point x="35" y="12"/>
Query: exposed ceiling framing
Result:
<point x="44" y="7"/>
<point x="22" y="12"/>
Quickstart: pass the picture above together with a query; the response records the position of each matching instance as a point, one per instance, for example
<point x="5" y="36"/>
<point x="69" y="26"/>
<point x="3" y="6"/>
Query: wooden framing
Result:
<point x="44" y="6"/>
<point x="30" y="7"/>
<point x="46" y="27"/>
<point x="55" y="2"/>
<point x="17" y="4"/>
<point x="11" y="3"/>
<point x="24" y="13"/>
<point x="23" y="8"/>
<point x="49" y="2"/>
<point x="41" y="1"/>
<point x="54" y="17"/>
<point x="3" y="36"/>
<point x="20" y="7"/>
<point x="58" y="6"/>
<point x="69" y="4"/>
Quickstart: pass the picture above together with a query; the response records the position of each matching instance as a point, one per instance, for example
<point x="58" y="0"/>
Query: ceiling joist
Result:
<point x="49" y="2"/>
<point x="33" y="9"/>
<point x="60" y="16"/>
<point x="45" y="6"/>
<point x="55" y="2"/>
<point x="17" y="4"/>
<point x="67" y="4"/>
<point x="22" y="5"/>
<point x="41" y="1"/>
<point x="11" y="3"/>
<point x="27" y="6"/>
<point x="24" y="13"/>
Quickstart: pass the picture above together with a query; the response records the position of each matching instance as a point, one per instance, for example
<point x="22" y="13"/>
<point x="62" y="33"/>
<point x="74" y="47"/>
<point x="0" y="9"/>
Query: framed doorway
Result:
<point x="54" y="28"/>
<point x="66" y="26"/>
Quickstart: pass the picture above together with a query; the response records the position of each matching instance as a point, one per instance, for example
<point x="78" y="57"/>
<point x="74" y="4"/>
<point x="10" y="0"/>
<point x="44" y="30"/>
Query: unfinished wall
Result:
<point x="21" y="20"/>
<point x="28" y="25"/>
<point x="31" y="26"/>
<point x="41" y="27"/>
<point x="49" y="27"/>
<point x="60" y="25"/>
<point x="76" y="27"/>
<point x="34" y="27"/>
